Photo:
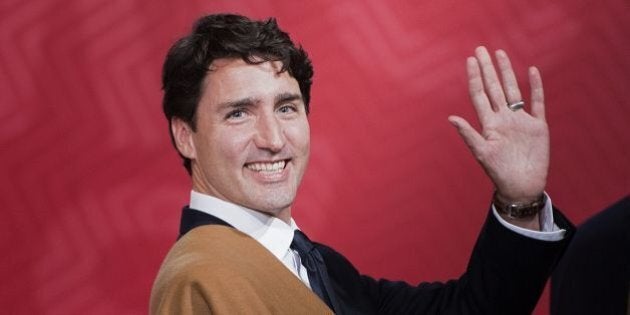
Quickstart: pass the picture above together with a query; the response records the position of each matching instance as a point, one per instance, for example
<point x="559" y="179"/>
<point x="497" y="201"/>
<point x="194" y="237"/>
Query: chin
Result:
<point x="275" y="208"/>
<point x="273" y="205"/>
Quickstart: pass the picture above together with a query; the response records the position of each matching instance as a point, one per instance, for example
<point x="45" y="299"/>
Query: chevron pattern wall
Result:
<point x="91" y="188"/>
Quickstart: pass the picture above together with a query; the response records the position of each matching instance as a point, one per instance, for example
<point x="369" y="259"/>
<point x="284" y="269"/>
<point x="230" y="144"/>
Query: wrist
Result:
<point x="519" y="208"/>
<point x="516" y="198"/>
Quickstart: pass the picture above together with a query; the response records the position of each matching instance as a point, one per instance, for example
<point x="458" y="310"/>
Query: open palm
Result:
<point x="513" y="146"/>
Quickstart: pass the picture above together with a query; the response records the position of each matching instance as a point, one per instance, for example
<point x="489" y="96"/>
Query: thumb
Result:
<point x="471" y="137"/>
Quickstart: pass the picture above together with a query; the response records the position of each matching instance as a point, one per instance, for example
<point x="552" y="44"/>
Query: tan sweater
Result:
<point x="215" y="269"/>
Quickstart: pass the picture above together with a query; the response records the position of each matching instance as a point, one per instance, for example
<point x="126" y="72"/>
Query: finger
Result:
<point x="538" y="95"/>
<point x="491" y="80"/>
<point x="471" y="137"/>
<point x="475" y="89"/>
<point x="510" y="85"/>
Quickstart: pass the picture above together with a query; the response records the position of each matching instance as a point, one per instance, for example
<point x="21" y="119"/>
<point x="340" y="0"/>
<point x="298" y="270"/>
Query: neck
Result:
<point x="283" y="214"/>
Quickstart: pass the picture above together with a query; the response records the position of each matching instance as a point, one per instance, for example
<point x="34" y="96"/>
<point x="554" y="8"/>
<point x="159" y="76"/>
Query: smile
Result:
<point x="267" y="167"/>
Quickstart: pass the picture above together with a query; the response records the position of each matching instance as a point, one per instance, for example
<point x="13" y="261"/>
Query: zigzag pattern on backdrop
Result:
<point x="92" y="188"/>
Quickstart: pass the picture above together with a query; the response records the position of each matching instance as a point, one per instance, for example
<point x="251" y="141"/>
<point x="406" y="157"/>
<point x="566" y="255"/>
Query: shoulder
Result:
<point x="209" y="259"/>
<point x="219" y="268"/>
<point x="206" y="265"/>
<point x="207" y="248"/>
<point x="338" y="266"/>
<point x="195" y="264"/>
<point x="331" y="256"/>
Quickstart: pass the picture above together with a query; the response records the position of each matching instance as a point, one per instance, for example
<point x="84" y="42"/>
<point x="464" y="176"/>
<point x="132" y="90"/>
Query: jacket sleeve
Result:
<point x="506" y="274"/>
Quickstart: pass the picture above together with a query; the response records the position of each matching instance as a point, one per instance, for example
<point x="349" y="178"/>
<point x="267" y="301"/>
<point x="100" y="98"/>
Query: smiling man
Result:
<point x="251" y="141"/>
<point x="237" y="95"/>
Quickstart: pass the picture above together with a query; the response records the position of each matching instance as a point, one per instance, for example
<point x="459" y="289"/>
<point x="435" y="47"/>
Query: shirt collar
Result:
<point x="272" y="233"/>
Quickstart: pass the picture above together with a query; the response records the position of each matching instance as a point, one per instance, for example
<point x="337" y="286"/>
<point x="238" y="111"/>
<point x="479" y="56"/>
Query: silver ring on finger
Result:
<point x="516" y="105"/>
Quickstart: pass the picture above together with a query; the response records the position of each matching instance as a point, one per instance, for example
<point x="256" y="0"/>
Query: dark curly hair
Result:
<point x="225" y="36"/>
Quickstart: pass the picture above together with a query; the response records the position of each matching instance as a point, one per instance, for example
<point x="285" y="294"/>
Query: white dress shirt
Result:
<point x="276" y="235"/>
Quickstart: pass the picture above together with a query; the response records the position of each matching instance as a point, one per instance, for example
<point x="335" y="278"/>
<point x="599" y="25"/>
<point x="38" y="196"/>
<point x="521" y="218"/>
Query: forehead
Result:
<point x="233" y="78"/>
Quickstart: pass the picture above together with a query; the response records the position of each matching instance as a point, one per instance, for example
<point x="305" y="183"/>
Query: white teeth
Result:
<point x="267" y="167"/>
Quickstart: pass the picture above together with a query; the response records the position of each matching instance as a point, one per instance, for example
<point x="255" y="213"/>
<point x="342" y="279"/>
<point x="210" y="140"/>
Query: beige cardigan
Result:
<point x="214" y="269"/>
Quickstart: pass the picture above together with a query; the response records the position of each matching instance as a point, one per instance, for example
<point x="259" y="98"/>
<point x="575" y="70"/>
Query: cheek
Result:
<point x="232" y="146"/>
<point x="307" y="143"/>
<point x="307" y="137"/>
<point x="300" y="137"/>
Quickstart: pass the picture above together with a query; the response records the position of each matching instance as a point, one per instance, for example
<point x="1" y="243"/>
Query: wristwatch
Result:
<point x="519" y="210"/>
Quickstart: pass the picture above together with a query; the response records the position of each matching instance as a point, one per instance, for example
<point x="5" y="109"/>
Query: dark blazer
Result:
<point x="593" y="277"/>
<point x="506" y="275"/>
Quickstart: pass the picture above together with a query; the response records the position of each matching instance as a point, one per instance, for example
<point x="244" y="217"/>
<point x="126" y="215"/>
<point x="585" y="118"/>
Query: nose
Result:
<point x="269" y="134"/>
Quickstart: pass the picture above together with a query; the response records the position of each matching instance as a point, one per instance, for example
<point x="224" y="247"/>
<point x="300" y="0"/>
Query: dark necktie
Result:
<point x="314" y="263"/>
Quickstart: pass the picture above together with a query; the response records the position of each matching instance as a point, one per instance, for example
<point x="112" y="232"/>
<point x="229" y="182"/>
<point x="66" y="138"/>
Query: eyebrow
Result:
<point x="250" y="101"/>
<point x="245" y="102"/>
<point x="288" y="97"/>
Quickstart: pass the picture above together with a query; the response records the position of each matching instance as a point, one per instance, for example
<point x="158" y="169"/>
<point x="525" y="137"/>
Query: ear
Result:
<point x="183" y="136"/>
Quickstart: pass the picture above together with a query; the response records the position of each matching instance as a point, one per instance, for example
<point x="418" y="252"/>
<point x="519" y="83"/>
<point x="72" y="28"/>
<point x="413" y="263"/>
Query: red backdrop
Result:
<point x="91" y="189"/>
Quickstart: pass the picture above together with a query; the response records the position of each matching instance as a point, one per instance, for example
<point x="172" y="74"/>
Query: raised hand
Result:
<point x="513" y="146"/>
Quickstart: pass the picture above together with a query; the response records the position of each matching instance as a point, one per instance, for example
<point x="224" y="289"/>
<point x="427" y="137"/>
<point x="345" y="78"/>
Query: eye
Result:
<point x="287" y="109"/>
<point x="235" y="114"/>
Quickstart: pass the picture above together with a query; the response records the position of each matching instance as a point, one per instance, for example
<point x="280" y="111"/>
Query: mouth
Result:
<point x="268" y="167"/>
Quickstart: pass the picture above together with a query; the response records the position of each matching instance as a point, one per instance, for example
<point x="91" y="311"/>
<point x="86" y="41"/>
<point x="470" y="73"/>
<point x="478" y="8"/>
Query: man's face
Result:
<point x="251" y="146"/>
